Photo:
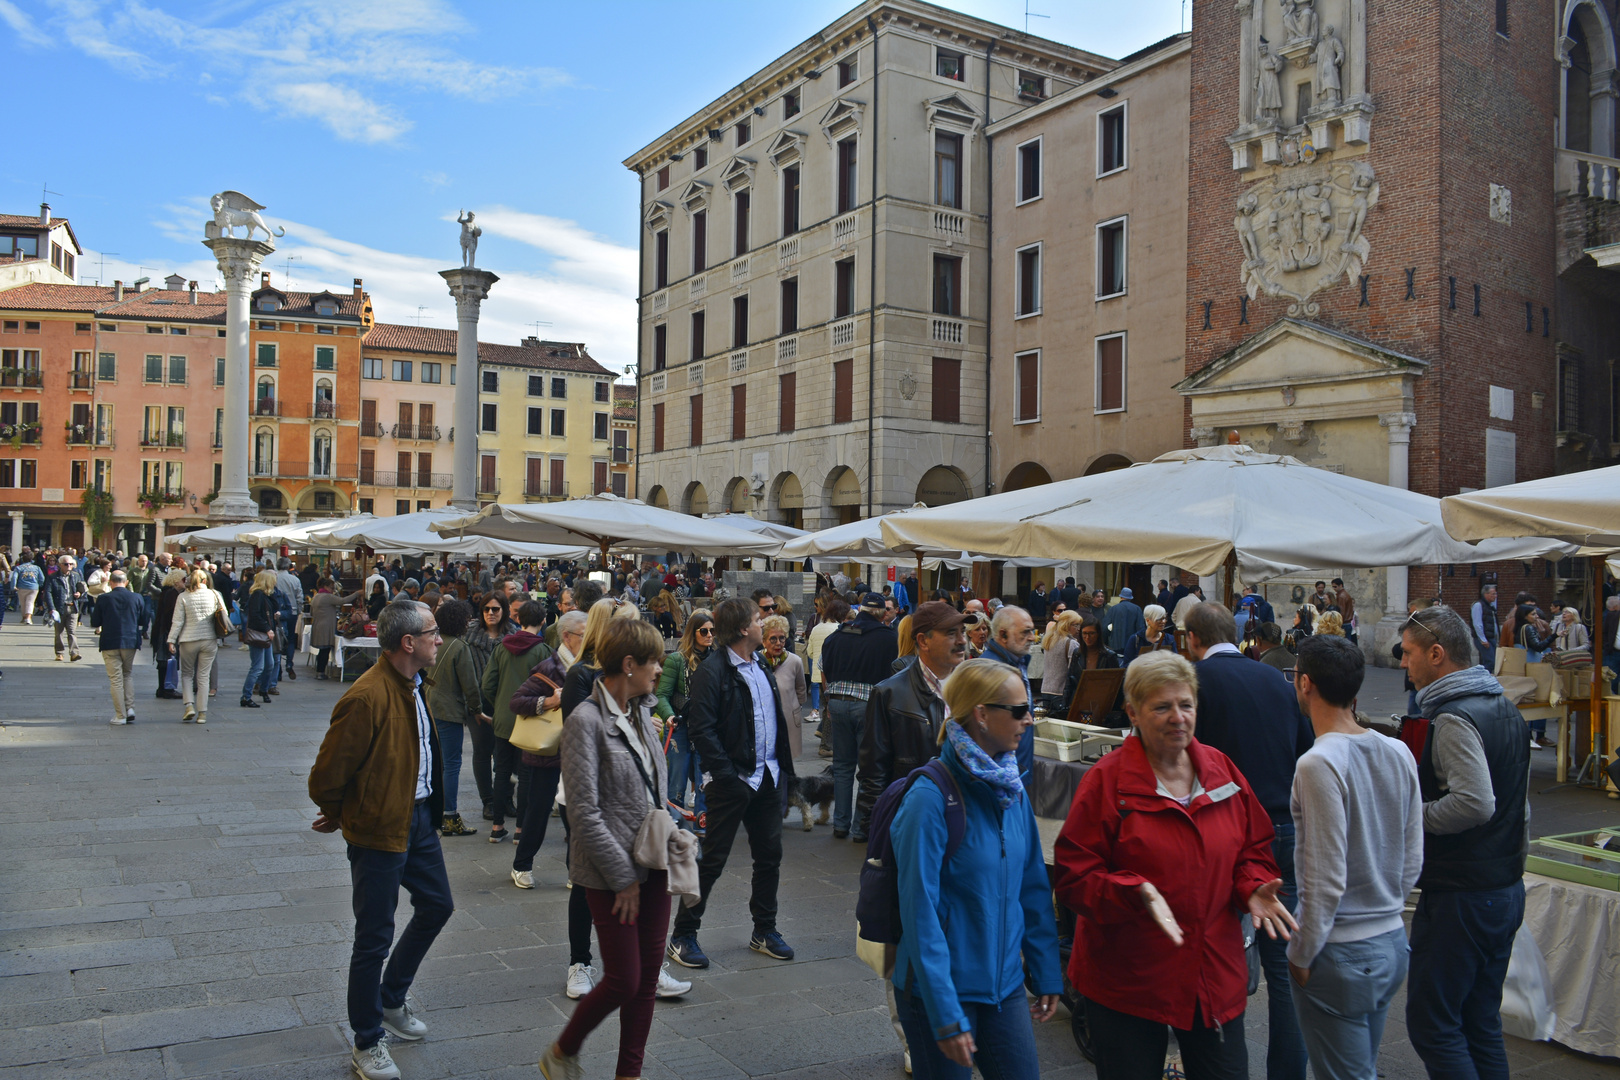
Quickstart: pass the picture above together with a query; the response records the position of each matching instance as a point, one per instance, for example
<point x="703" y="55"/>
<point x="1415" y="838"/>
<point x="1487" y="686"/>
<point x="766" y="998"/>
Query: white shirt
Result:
<point x="761" y="688"/>
<point x="1221" y="647"/>
<point x="424" y="742"/>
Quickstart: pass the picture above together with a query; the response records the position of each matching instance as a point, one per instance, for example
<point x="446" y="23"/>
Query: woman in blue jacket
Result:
<point x="972" y="921"/>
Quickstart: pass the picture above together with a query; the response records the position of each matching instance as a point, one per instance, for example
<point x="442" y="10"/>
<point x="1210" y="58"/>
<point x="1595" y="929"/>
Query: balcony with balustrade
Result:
<point x="326" y="410"/>
<point x="416" y="480"/>
<point x="416" y="432"/>
<point x="539" y="491"/>
<point x="22" y="378"/>
<point x="81" y="380"/>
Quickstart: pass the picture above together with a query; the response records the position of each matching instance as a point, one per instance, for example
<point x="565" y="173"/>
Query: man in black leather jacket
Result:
<point x="738" y="728"/>
<point x="906" y="711"/>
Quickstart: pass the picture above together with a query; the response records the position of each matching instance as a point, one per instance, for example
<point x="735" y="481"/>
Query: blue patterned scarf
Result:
<point x="1000" y="773"/>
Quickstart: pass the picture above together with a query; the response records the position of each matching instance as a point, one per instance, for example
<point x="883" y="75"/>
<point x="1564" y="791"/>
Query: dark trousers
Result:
<point x="579" y="909"/>
<point x="483" y="744"/>
<point x="540" y="784"/>
<point x="378" y="876"/>
<point x="631" y="957"/>
<point x="1131" y="1048"/>
<point x="1285" y="1053"/>
<point x="322" y="655"/>
<point x="1002" y="1035"/>
<point x="733" y="803"/>
<point x="1461" y="942"/>
<point x="508" y="759"/>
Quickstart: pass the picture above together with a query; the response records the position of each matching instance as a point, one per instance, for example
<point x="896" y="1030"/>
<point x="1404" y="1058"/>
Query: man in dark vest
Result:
<point x="1486" y="627"/>
<point x="1475" y="776"/>
<point x="854" y="658"/>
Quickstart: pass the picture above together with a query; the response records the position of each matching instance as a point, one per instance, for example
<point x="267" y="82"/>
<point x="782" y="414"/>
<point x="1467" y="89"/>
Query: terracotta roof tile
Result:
<point x="31" y="221"/>
<point x="624" y="412"/>
<point x="296" y="304"/>
<point x="41" y="296"/>
<point x="420" y="339"/>
<point x="533" y="353"/>
<point x="170" y="306"/>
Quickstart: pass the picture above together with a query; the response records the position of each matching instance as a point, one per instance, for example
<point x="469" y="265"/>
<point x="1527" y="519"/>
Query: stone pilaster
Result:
<point x="469" y="287"/>
<point x="1399" y="425"/>
<point x="239" y="261"/>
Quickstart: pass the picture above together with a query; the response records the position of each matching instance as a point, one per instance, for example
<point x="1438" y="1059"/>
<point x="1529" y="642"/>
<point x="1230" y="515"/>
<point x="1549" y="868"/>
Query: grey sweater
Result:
<point x="1358" y="848"/>
<point x="607" y="796"/>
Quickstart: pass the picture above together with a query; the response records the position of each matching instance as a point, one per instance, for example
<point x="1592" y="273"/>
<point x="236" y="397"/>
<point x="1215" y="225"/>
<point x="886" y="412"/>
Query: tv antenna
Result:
<point x="102" y="273"/>
<point x="537" y="324"/>
<point x="418" y="316"/>
<point x="1028" y="15"/>
<point x="286" y="275"/>
<point x="44" y="190"/>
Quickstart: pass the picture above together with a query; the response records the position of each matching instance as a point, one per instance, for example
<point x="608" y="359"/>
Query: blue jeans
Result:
<point x="1285" y="1053"/>
<point x="450" y="745"/>
<point x="378" y="877"/>
<point x="258" y="671"/>
<point x="1343" y="1007"/>
<point x="815" y="696"/>
<point x="1487" y="656"/>
<point x="1611" y="660"/>
<point x="1461" y="942"/>
<point x="844" y="718"/>
<point x="684" y="769"/>
<point x="1003" y="1034"/>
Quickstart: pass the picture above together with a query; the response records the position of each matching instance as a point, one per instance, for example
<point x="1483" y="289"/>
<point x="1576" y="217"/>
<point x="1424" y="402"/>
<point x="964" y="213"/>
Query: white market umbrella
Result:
<point x="294" y="534"/>
<point x="606" y="521"/>
<point x="213" y="537"/>
<point x="410" y="534"/>
<point x="1197" y="509"/>
<point x="773" y="529"/>
<point x="862" y="541"/>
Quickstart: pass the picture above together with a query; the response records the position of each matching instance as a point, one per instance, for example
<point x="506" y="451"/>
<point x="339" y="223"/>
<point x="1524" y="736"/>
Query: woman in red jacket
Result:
<point x="1165" y="849"/>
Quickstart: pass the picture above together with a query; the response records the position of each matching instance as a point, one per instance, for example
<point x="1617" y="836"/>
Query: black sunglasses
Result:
<point x="704" y="630"/>
<point x="1017" y="712"/>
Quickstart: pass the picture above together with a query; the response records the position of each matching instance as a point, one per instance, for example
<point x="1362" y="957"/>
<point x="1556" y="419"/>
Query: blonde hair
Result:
<point x="975" y="682"/>
<point x="1152" y="672"/>
<point x="696" y="621"/>
<point x="197" y="580"/>
<point x="673" y="605"/>
<point x="782" y="606"/>
<point x="908" y="640"/>
<point x="263" y="581"/>
<point x="603" y="612"/>
<point x="1066" y="623"/>
<point x="177" y="578"/>
<point x="776" y="622"/>
<point x="1330" y="623"/>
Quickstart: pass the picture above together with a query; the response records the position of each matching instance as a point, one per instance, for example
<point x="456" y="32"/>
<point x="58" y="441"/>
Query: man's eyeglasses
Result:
<point x="1017" y="712"/>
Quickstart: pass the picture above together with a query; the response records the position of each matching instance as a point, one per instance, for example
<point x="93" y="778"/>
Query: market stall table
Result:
<point x="1578" y="929"/>
<point x="340" y="643"/>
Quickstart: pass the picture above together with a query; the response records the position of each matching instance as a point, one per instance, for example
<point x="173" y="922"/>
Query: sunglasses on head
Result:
<point x="1017" y="712"/>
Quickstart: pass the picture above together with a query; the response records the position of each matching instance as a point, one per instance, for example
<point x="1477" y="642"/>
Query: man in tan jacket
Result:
<point x="379" y="777"/>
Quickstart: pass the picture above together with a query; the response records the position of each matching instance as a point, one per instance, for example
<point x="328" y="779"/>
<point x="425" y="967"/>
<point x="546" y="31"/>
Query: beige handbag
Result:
<point x="540" y="734"/>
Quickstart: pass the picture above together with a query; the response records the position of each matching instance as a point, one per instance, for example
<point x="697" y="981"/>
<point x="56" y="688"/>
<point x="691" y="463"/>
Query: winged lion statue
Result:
<point x="233" y="210"/>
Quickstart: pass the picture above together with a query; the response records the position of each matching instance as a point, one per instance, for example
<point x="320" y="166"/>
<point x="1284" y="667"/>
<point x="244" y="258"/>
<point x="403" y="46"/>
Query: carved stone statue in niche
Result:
<point x="1268" y="85"/>
<point x="1299" y="19"/>
<point x="1329" y="56"/>
<point x="1302" y="231"/>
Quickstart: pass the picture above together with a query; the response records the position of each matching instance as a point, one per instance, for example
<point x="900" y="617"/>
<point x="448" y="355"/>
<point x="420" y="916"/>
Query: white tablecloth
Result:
<point x="1578" y="929"/>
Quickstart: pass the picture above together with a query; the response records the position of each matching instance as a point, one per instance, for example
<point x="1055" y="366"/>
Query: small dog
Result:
<point x="804" y="791"/>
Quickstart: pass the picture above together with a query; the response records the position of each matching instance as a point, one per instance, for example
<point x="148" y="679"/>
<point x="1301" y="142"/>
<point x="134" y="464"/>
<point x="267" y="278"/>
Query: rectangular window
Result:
<point x="1502" y="17"/>
<point x="947" y="403"/>
<point x="1304" y="96"/>
<point x="1111" y="140"/>
<point x="535" y="481"/>
<point x="371" y="368"/>
<point x="559" y="423"/>
<point x="744" y="132"/>
<point x="107" y="367"/>
<point x="403" y="506"/>
<point x="432" y="373"/>
<point x="739" y="322"/>
<point x="741" y="205"/>
<point x="1031" y="85"/>
<point x="219" y="428"/>
<point x="790" y="104"/>
<point x="660" y="346"/>
<point x="599" y="477"/>
<point x="700" y="158"/>
<point x="947" y="285"/>
<point x="424" y="470"/>
<point x="173" y="477"/>
<point x="843" y="288"/>
<point x="402" y="371"/>
<point x="177" y="370"/>
<point x="787" y="388"/>
<point x="950" y="65"/>
<point x="402" y="469"/>
<point x="101" y="477"/>
<point x="663" y="178"/>
<point x="1569" y="393"/>
<point x="1027" y="387"/>
<point x="1028" y="298"/>
<point x="486" y="474"/>
<point x="78" y="474"/>
<point x="177" y="331"/>
<point x="537" y="386"/>
<point x="848" y="71"/>
<point x="658" y="428"/>
<point x="790" y="200"/>
<point x="697" y="335"/>
<point x="700" y="242"/>
<point x="559" y="489"/>
<point x="790" y="306"/>
<point x="104" y="425"/>
<point x="27" y="473"/>
<point x="1111" y="373"/>
<point x="601" y="391"/>
<point x="8" y="472"/>
<point x="152" y="426"/>
<point x="661" y="259"/>
<point x="219" y="371"/>
<point x="739" y="411"/>
<point x="848" y="176"/>
<point x="1111" y="258"/>
<point x="843" y="391"/>
<point x="696" y="404"/>
<point x="488" y="416"/>
<point x="948" y="169"/>
<point x="267" y="354"/>
<point x="492" y="382"/>
<point x="154" y="368"/>
<point x="559" y="388"/>
<point x="537" y="421"/>
<point x="599" y="427"/>
<point x="325" y="358"/>
<point x="1029" y="171"/>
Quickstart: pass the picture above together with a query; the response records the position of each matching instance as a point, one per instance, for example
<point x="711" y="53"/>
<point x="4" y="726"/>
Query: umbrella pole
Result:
<point x="1598" y="753"/>
<point x="915" y="600"/>
<point x="1231" y="576"/>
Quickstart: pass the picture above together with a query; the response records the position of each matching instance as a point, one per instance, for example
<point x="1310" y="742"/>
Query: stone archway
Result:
<point x="941" y="486"/>
<point x="1027" y="474"/>
<point x="1108" y="463"/>
<point x="737" y="495"/>
<point x="787" y="500"/>
<point x="696" y="499"/>
<point x="312" y="501"/>
<point x="658" y="497"/>
<point x="843" y="490"/>
<point x="1587" y="48"/>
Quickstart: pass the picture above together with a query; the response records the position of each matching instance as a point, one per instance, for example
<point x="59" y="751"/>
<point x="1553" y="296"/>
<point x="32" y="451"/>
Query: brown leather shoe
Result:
<point x="274" y="691"/>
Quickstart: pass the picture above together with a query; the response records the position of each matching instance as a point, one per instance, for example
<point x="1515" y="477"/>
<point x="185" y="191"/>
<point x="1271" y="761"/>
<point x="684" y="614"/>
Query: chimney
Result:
<point x="264" y="279"/>
<point x="45" y="215"/>
<point x="192" y="288"/>
<point x="357" y="284"/>
<point x="531" y="343"/>
<point x="118" y="292"/>
<point x="139" y="283"/>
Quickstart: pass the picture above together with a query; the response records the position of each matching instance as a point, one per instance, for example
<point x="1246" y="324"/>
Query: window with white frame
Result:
<point x="1111" y="144"/>
<point x="950" y="65"/>
<point x="1027" y="287"/>
<point x="371" y="368"/>
<point x="1027" y="387"/>
<point x="1110" y="373"/>
<point x="1111" y="258"/>
<point x="1029" y="171"/>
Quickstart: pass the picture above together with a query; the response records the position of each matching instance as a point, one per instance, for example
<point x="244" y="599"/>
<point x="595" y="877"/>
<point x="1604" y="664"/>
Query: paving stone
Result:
<point x="248" y="1051"/>
<point x="75" y="1038"/>
<point x="164" y="1027"/>
<point x="71" y="957"/>
<point x="68" y="916"/>
<point x="807" y="1042"/>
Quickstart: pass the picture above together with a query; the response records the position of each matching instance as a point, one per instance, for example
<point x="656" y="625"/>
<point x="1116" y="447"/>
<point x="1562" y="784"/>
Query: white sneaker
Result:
<point x="907" y="1061"/>
<point x="375" y="1063"/>
<point x="118" y="720"/>
<point x="669" y="986"/>
<point x="581" y="980"/>
<point x="555" y="1066"/>
<point x="523" y="879"/>
<point x="402" y="1023"/>
<point x="1534" y="745"/>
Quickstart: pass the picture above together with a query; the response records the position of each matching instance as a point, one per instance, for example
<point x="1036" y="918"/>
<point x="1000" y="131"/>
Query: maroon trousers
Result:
<point x="631" y="958"/>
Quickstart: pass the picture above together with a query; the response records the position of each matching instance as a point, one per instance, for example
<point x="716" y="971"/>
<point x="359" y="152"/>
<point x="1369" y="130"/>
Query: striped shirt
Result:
<point x="857" y="690"/>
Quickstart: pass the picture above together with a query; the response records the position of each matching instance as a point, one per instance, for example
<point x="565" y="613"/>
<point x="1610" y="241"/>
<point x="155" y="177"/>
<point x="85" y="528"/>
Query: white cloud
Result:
<point x="21" y="24"/>
<point x="347" y="112"/>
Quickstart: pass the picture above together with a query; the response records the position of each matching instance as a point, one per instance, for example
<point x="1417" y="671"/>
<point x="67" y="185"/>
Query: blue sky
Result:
<point x="364" y="125"/>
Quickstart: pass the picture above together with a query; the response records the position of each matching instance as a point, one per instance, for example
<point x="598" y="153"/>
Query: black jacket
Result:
<point x="261" y="612"/>
<point x="720" y="720"/>
<point x="903" y="718"/>
<point x="63" y="591"/>
<point x="1109" y="659"/>
<point x="859" y="652"/>
<point x="1248" y="712"/>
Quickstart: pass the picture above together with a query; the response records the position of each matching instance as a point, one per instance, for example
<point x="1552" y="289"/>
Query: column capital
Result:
<point x="1400" y="424"/>
<point x="469" y="287"/>
<point x="14" y="514"/>
<point x="239" y="259"/>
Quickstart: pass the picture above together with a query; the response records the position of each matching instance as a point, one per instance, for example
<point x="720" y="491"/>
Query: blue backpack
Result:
<point x="877" y="909"/>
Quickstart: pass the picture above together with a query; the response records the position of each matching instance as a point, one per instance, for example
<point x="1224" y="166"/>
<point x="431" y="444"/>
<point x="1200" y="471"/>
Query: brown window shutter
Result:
<point x="1029" y="375"/>
<point x="424" y="417"/>
<point x="1111" y="373"/>
<point x="558" y="487"/>
<point x="405" y="413"/>
<point x="739" y="411"/>
<point x="658" y="428"/>
<point x="600" y="479"/>
<point x="537" y="477"/>
<point x="697" y="419"/>
<point x="368" y="466"/>
<point x="947" y="391"/>
<point x="487" y="471"/>
<point x="843" y="391"/>
<point x="424" y="470"/>
<point x="368" y="416"/>
<point x="786" y="413"/>
<point x="700" y="242"/>
<point x="402" y="466"/>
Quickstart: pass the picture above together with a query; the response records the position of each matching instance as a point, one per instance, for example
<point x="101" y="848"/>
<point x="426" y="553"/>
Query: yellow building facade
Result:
<point x="545" y="420"/>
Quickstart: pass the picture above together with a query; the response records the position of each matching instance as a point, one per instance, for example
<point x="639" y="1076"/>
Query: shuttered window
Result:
<point x="947" y="391"/>
<point x="599" y="477"/>
<point x="536" y="478"/>
<point x="697" y="419"/>
<point x="559" y="489"/>
<point x="700" y="242"/>
<point x="658" y="428"/>
<point x="843" y="391"/>
<point x="1111" y="373"/>
<point x="786" y="412"/>
<point x="739" y="411"/>
<point x="1027" y="385"/>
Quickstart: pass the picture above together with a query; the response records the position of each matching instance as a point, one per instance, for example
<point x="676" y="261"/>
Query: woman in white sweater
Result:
<point x="193" y="636"/>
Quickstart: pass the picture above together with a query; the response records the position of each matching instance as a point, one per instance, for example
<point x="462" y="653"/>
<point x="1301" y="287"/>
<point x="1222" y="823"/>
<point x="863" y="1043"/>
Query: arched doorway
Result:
<point x="696" y="502"/>
<point x="1026" y="475"/>
<point x="787" y="499"/>
<point x="941" y="486"/>
<point x="658" y="497"/>
<point x="318" y="500"/>
<point x="737" y="492"/>
<point x="1588" y="121"/>
<point x="1108" y="463"/>
<point x="843" y="489"/>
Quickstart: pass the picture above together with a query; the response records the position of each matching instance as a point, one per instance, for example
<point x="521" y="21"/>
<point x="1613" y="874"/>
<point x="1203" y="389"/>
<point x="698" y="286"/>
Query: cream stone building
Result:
<point x="813" y="316"/>
<point x="1089" y="251"/>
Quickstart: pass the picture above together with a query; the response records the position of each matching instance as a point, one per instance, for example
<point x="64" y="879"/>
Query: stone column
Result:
<point x="469" y="287"/>
<point x="16" y="532"/>
<point x="1388" y="629"/>
<point x="239" y="261"/>
<point x="160" y="529"/>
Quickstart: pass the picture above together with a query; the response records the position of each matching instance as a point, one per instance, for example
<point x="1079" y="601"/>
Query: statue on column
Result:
<point x="1268" y="85"/>
<point x="1329" y="55"/>
<point x="469" y="238"/>
<point x="234" y="210"/>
